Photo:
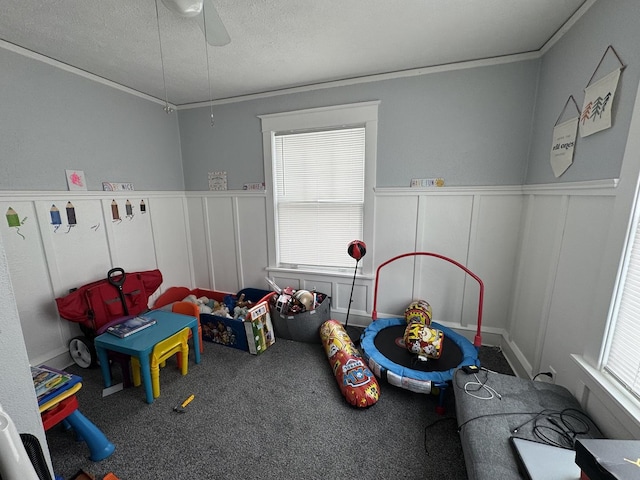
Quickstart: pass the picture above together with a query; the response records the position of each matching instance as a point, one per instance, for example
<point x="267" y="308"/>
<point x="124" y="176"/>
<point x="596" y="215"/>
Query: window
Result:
<point x="321" y="163"/>
<point x="621" y="357"/>
<point x="319" y="195"/>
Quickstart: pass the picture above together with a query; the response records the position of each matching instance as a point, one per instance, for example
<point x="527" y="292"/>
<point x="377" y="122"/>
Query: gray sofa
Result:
<point x="511" y="406"/>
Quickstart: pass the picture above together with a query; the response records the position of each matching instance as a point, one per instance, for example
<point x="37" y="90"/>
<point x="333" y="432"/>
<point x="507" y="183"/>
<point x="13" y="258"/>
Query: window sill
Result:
<point x="338" y="273"/>
<point x="604" y="386"/>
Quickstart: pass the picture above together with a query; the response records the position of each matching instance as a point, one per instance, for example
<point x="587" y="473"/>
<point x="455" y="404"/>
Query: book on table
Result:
<point x="131" y="326"/>
<point x="47" y="380"/>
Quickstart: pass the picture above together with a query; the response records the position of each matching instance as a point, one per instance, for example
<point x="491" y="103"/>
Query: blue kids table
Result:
<point x="140" y="344"/>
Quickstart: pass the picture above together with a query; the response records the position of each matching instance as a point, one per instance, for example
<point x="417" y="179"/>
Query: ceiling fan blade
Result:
<point x="214" y="30"/>
<point x="184" y="8"/>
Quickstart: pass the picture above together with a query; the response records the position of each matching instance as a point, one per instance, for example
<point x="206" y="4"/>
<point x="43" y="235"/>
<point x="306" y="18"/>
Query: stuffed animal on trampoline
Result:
<point x="419" y="338"/>
<point x="419" y="311"/>
<point x="423" y="341"/>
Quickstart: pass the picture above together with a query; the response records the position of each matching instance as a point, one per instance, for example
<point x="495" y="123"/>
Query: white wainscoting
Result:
<point x="477" y="227"/>
<point x="46" y="260"/>
<point x="564" y="232"/>
<point x="532" y="246"/>
<point x="229" y="239"/>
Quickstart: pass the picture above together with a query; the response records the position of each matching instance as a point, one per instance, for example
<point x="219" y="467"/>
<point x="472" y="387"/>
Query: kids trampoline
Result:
<point x="383" y="347"/>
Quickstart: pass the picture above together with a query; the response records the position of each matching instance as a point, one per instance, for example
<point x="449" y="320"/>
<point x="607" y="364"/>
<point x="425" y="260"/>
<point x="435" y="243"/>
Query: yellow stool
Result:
<point x="161" y="352"/>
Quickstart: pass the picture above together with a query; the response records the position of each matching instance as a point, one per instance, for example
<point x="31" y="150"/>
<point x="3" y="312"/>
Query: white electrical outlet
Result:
<point x="553" y="372"/>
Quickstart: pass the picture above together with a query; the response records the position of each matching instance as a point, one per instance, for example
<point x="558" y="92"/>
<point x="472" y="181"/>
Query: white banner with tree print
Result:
<point x="598" y="99"/>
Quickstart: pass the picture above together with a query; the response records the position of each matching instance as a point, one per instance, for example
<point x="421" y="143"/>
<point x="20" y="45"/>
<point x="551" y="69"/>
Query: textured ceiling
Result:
<point x="275" y="44"/>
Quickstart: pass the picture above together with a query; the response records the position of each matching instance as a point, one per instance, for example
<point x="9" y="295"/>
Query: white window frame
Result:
<point x="618" y="298"/>
<point x="365" y="113"/>
<point x="619" y="404"/>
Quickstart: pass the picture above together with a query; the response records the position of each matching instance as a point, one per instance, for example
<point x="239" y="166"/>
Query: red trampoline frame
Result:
<point x="477" y="341"/>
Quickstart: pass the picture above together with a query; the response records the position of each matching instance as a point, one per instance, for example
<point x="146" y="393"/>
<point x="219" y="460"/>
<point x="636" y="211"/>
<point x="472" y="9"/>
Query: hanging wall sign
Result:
<point x="76" y="180"/>
<point x="217" y="180"/>
<point x="598" y="99"/>
<point x="564" y="140"/>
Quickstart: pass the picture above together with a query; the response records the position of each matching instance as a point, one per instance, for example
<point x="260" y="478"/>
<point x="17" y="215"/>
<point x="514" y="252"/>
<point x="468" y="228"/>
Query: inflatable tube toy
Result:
<point x="357" y="384"/>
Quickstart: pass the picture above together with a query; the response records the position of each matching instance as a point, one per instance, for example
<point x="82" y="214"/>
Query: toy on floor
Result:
<point x="357" y="384"/>
<point x="84" y="475"/>
<point x="181" y="408"/>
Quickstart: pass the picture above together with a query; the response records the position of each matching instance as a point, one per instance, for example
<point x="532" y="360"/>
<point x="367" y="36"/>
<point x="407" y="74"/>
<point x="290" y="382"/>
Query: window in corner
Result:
<point x="321" y="163"/>
<point x="621" y="356"/>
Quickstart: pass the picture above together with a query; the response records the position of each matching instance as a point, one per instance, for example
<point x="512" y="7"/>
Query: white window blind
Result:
<point x="319" y="195"/>
<point x="623" y="360"/>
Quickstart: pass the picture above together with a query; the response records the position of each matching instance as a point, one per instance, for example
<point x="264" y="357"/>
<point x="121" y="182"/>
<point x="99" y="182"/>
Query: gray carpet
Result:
<point x="276" y="415"/>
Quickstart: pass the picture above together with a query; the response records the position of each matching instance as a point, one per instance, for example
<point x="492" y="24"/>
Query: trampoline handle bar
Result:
<point x="477" y="341"/>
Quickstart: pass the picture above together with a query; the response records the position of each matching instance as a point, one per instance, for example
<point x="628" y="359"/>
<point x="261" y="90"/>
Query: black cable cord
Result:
<point x="542" y="412"/>
<point x="546" y="374"/>
<point x="567" y="425"/>
<point x="500" y="414"/>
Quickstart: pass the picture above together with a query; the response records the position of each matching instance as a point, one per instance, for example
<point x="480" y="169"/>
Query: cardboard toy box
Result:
<point x="228" y="331"/>
<point x="259" y="329"/>
<point x="302" y="327"/>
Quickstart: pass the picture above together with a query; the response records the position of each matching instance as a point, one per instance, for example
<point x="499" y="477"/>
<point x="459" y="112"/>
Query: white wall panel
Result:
<point x="536" y="272"/>
<point x="359" y="300"/>
<point x="570" y="313"/>
<point x="395" y="234"/>
<point x="171" y="240"/>
<point x="222" y="236"/>
<point x="128" y="225"/>
<point x="252" y="241"/>
<point x="46" y="259"/>
<point x="493" y="250"/>
<point x="77" y="250"/>
<point x="42" y="329"/>
<point x="199" y="229"/>
<point x="444" y="223"/>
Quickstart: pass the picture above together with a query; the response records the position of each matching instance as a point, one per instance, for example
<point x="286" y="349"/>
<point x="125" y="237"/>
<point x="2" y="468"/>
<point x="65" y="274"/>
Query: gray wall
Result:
<point x="52" y="120"/>
<point x="566" y="70"/>
<point x="469" y="126"/>
<point x="481" y="126"/>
